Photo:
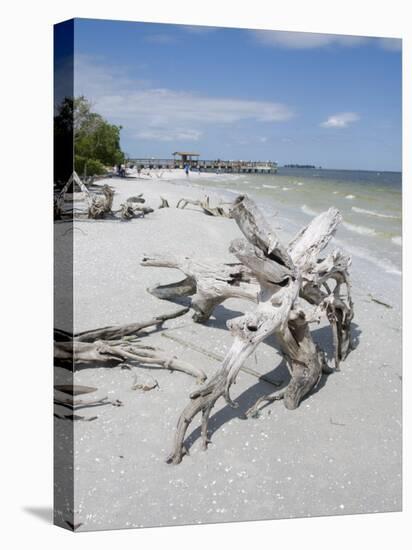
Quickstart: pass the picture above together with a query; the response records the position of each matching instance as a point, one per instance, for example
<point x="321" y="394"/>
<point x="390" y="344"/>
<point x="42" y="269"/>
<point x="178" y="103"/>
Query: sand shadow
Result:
<point x="221" y="315"/>
<point x="45" y="513"/>
<point x="280" y="374"/>
<point x="245" y="400"/>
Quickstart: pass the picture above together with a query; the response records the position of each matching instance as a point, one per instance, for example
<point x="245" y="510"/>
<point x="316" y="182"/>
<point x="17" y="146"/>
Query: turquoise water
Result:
<point x="370" y="203"/>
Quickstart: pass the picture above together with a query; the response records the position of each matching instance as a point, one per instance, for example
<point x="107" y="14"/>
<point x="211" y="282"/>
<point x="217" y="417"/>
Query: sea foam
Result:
<point x="360" y="229"/>
<point x="373" y="213"/>
<point x="308" y="211"/>
<point x="384" y="264"/>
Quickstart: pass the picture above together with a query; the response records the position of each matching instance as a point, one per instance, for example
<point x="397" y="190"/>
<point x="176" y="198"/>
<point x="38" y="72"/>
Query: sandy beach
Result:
<point x="338" y="453"/>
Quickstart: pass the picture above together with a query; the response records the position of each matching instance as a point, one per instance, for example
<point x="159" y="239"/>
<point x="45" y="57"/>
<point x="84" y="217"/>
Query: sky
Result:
<point x="329" y="100"/>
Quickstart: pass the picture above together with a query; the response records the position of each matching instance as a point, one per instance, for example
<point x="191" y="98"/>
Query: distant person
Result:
<point x="186" y="167"/>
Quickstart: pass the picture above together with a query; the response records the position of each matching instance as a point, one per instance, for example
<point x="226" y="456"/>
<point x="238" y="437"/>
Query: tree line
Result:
<point x="83" y="140"/>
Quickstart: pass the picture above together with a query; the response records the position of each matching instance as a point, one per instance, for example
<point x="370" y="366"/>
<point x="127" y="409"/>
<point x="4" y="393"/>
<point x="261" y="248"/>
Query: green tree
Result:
<point x="94" y="142"/>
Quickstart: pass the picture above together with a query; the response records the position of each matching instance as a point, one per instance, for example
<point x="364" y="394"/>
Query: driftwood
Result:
<point x="97" y="205"/>
<point x="164" y="203"/>
<point x="101" y="205"/>
<point x="110" y="346"/>
<point x="59" y="198"/>
<point x="208" y="283"/>
<point x="129" y="210"/>
<point x="81" y="404"/>
<point x="205" y="206"/>
<point x="137" y="198"/>
<point x="294" y="290"/>
<point x="132" y="208"/>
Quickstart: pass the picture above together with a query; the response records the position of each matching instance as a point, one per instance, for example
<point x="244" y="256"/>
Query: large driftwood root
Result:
<point x="110" y="346"/>
<point x="101" y="204"/>
<point x="293" y="292"/>
<point x="208" y="283"/>
<point x="205" y="206"/>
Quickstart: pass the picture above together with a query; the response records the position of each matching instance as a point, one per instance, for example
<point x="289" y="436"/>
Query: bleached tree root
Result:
<point x="208" y="283"/>
<point x="293" y="292"/>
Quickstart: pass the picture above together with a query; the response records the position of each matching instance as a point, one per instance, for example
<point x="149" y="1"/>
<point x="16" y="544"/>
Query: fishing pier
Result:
<point x="182" y="158"/>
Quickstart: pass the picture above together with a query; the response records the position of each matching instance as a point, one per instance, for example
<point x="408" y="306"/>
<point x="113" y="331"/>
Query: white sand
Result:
<point x="339" y="453"/>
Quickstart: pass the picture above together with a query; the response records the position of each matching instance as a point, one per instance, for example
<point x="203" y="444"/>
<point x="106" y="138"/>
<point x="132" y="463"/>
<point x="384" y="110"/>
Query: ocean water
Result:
<point x="370" y="203"/>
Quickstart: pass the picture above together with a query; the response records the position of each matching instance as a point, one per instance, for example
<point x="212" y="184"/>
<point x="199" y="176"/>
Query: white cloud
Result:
<point x="160" y="38"/>
<point x="305" y="40"/>
<point x="156" y="113"/>
<point x="169" y="134"/>
<point x="340" y="120"/>
<point x="308" y="40"/>
<point x="198" y="29"/>
<point x="390" y="44"/>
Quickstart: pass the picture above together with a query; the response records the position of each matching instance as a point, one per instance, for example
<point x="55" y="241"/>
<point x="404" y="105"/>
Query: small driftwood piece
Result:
<point x="205" y="206"/>
<point x="81" y="404"/>
<point x="164" y="203"/>
<point x="137" y="198"/>
<point x="133" y="208"/>
<point x="293" y="292"/>
<point x="111" y="346"/>
<point x="208" y="283"/>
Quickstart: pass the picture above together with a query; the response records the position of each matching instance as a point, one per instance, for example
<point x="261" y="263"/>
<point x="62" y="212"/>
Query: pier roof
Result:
<point x="185" y="153"/>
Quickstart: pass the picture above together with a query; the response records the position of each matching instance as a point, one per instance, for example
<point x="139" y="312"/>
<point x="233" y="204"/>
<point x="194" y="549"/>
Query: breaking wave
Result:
<point x="373" y="213"/>
<point x="308" y="211"/>
<point x="360" y="229"/>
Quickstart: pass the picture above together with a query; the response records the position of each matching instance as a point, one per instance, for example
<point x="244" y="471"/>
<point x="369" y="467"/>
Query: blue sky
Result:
<point x="328" y="100"/>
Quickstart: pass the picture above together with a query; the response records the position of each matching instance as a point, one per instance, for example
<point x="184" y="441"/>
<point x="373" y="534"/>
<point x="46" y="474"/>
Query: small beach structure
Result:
<point x="185" y="158"/>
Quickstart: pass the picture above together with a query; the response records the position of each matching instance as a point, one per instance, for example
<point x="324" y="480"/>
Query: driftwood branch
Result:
<point x="100" y="353"/>
<point x="293" y="291"/>
<point x="205" y="206"/>
<point x="110" y="346"/>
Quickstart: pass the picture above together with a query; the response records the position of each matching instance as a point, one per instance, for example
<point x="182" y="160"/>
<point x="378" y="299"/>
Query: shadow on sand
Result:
<point x="279" y="374"/>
